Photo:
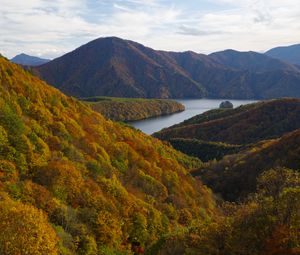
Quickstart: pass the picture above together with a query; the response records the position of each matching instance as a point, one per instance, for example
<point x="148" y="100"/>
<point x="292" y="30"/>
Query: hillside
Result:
<point x="122" y="68"/>
<point x="265" y="223"/>
<point x="72" y="182"/>
<point x="289" y="54"/>
<point x="243" y="125"/>
<point x="26" y="60"/>
<point x="119" y="68"/>
<point x="130" y="109"/>
<point x="235" y="176"/>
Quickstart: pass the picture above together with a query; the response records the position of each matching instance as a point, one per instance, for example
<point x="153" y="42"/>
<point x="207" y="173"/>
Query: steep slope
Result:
<point x="243" y="125"/>
<point x="289" y="54"/>
<point x="119" y="68"/>
<point x="101" y="185"/>
<point x="131" y="109"/>
<point x="235" y="176"/>
<point x="26" y="60"/>
<point x="251" y="61"/>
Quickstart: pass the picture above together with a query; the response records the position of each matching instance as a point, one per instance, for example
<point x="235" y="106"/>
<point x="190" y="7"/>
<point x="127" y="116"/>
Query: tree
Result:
<point x="25" y="230"/>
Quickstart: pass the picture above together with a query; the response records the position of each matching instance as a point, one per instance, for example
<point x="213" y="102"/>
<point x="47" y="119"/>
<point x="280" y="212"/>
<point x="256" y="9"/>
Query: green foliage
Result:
<point x="11" y="121"/>
<point x="204" y="150"/>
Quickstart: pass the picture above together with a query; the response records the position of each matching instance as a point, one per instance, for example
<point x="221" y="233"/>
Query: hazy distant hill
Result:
<point x="121" y="68"/>
<point x="27" y="60"/>
<point x="251" y="61"/>
<point x="287" y="53"/>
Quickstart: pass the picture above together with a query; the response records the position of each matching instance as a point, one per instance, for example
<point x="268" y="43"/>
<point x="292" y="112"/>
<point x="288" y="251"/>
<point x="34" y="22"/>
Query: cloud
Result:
<point x="51" y="28"/>
<point x="195" y="31"/>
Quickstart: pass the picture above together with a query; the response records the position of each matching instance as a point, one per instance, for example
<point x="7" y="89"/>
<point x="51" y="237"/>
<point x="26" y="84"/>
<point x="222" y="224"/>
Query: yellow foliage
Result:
<point x="25" y="230"/>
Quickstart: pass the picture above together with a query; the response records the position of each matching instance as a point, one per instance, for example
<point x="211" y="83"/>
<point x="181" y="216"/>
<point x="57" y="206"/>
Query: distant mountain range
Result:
<point x="288" y="53"/>
<point x="27" y="60"/>
<point x="121" y="68"/>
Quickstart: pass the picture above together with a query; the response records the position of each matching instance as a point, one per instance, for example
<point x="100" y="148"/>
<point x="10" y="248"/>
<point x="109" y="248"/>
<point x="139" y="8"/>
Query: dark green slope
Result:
<point x="234" y="177"/>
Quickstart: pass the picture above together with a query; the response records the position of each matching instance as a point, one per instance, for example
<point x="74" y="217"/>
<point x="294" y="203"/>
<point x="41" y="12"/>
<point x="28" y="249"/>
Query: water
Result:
<point x="192" y="107"/>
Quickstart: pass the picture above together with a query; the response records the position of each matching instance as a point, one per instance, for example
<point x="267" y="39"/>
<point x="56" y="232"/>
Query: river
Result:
<point x="192" y="108"/>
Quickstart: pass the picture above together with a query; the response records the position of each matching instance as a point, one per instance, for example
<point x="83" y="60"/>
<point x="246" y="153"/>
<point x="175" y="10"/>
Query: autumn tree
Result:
<point x="25" y="230"/>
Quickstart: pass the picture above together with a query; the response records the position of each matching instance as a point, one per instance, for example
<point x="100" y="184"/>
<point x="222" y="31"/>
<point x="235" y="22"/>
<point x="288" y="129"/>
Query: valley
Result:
<point x="192" y="107"/>
<point x="81" y="175"/>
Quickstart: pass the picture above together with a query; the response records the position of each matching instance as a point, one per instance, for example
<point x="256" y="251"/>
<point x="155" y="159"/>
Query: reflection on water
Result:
<point x="192" y="108"/>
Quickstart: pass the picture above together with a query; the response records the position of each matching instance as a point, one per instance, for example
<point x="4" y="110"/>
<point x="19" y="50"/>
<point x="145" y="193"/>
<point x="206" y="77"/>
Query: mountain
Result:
<point x="246" y="141"/>
<point x="72" y="182"/>
<point x="222" y="81"/>
<point x="235" y="176"/>
<point x="121" y="68"/>
<point x="289" y="54"/>
<point x="251" y="61"/>
<point x="243" y="125"/>
<point x="27" y="60"/>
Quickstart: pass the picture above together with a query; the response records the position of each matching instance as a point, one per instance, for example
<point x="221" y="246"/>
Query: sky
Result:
<point x="51" y="28"/>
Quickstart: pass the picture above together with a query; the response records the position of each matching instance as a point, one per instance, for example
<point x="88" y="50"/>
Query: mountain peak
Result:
<point x="27" y="60"/>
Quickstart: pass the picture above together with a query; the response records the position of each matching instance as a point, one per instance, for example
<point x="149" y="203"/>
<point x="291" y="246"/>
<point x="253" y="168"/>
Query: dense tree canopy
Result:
<point x="97" y="183"/>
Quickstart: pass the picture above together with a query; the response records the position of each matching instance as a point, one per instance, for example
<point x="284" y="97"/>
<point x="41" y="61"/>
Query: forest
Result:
<point x="73" y="182"/>
<point x="131" y="109"/>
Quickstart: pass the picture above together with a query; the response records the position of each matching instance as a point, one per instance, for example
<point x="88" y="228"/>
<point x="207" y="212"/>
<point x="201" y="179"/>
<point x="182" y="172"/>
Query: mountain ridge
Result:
<point x="289" y="54"/>
<point x="122" y="68"/>
<point x="27" y="60"/>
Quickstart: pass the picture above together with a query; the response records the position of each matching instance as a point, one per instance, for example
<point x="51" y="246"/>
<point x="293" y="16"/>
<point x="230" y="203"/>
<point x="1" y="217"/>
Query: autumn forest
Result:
<point x="72" y="181"/>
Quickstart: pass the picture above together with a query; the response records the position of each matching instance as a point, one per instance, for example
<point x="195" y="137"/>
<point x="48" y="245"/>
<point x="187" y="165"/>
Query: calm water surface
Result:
<point x="192" y="108"/>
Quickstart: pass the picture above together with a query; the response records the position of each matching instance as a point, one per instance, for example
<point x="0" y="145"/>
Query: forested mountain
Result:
<point x="266" y="223"/>
<point x="247" y="141"/>
<point x="72" y="182"/>
<point x="131" y="109"/>
<point x="242" y="125"/>
<point x="26" y="60"/>
<point x="289" y="54"/>
<point x="121" y="68"/>
<point x="235" y="176"/>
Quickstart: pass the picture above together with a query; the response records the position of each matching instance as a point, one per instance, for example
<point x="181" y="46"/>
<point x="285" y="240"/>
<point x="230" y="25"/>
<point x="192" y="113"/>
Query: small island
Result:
<point x="132" y="109"/>
<point x="226" y="105"/>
